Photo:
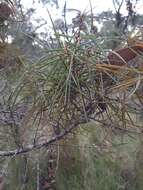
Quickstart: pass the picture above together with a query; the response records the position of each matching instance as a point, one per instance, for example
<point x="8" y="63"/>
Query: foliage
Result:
<point x="46" y="103"/>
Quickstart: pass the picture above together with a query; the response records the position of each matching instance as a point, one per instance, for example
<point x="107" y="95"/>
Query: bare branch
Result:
<point x="118" y="4"/>
<point x="42" y="145"/>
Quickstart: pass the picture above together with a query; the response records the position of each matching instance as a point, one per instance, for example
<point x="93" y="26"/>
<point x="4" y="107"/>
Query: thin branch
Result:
<point x="42" y="145"/>
<point x="119" y="5"/>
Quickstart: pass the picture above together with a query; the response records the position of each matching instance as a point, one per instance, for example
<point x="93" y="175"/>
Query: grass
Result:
<point x="89" y="162"/>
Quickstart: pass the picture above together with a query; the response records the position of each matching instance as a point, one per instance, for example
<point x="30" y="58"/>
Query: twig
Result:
<point x="41" y="145"/>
